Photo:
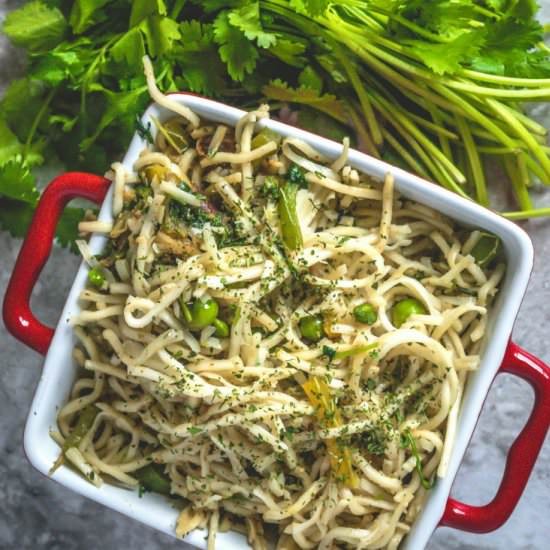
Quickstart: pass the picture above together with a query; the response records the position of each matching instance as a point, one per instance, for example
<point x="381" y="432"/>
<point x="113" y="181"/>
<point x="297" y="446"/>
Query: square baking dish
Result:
<point x="498" y="353"/>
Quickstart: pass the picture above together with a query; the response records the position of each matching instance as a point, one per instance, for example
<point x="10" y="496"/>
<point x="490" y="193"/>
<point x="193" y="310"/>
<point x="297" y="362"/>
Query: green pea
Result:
<point x="311" y="327"/>
<point x="365" y="313"/>
<point x="222" y="329"/>
<point x="96" y="277"/>
<point x="203" y="313"/>
<point x="403" y="309"/>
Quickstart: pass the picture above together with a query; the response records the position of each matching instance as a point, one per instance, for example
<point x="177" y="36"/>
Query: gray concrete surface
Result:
<point x="39" y="514"/>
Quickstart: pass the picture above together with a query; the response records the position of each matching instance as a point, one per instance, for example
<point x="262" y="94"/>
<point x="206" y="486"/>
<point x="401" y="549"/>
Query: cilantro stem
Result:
<point x="98" y="59"/>
<point x="474" y="114"/>
<point x="478" y="175"/>
<point x="361" y="130"/>
<point x="525" y="214"/>
<point x="522" y="133"/>
<point x="361" y="94"/>
<point x="533" y="125"/>
<point x="407" y="157"/>
<point x="536" y="169"/>
<point x="37" y="120"/>
<point x="518" y="182"/>
<point x="442" y="133"/>
<point x="437" y="154"/>
<point x="437" y="173"/>
<point x="176" y="8"/>
<point x="437" y="129"/>
<point x="505" y="80"/>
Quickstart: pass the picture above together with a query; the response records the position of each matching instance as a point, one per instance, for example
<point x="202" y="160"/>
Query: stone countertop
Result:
<point x="39" y="514"/>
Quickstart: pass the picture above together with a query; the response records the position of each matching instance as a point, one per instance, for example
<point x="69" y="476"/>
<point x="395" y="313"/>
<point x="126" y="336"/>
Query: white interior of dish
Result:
<point x="59" y="368"/>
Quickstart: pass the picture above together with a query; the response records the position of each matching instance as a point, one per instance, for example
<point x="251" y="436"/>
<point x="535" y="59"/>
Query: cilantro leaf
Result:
<point x="310" y="78"/>
<point x="129" y="50"/>
<point x="160" y="34"/>
<point x="86" y="13"/>
<point x="447" y="57"/>
<point x="9" y="144"/>
<point x="446" y="18"/>
<point x="121" y="105"/>
<point x="15" y="216"/>
<point x="327" y="103"/>
<point x="511" y="50"/>
<point x="247" y="19"/>
<point x="203" y="67"/>
<point x="66" y="231"/>
<point x="58" y="66"/>
<point x="235" y="49"/>
<point x="143" y="8"/>
<point x="35" y="26"/>
<point x="20" y="104"/>
<point x="289" y="51"/>
<point x="16" y="182"/>
<point x="310" y="7"/>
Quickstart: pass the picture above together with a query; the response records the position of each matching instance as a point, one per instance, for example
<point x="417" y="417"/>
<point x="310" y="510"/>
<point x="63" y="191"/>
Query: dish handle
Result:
<point x="521" y="457"/>
<point x="36" y="248"/>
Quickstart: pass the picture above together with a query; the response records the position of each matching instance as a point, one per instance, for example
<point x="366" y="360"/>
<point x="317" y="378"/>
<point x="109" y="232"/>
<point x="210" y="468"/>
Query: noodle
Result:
<point x="242" y="344"/>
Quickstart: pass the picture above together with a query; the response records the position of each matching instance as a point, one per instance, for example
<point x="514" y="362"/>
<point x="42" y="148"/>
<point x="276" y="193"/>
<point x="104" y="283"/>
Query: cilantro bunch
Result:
<point x="437" y="86"/>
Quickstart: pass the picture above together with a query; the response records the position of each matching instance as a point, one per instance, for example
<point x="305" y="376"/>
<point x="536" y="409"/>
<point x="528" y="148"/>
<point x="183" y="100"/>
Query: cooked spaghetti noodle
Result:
<point x="273" y="338"/>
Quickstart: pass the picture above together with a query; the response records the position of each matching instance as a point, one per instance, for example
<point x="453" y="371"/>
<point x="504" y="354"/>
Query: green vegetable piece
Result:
<point x="357" y="350"/>
<point x="408" y="440"/>
<point x="222" y="328"/>
<point x="486" y="249"/>
<point x="311" y="327"/>
<point x="175" y="135"/>
<point x="185" y="311"/>
<point x="153" y="172"/>
<point x="310" y="78"/>
<point x="152" y="478"/>
<point x="96" y="277"/>
<point x="265" y="135"/>
<point x="203" y="313"/>
<point x="83" y="426"/>
<point x="403" y="309"/>
<point x="365" y="313"/>
<point x="296" y="175"/>
<point x="288" y="217"/>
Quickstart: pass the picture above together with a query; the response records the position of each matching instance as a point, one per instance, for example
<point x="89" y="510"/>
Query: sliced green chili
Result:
<point x="153" y="479"/>
<point x="486" y="249"/>
<point x="288" y="218"/>
<point x="83" y="426"/>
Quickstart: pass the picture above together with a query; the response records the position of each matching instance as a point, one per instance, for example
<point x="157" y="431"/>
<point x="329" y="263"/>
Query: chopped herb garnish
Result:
<point x="144" y="132"/>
